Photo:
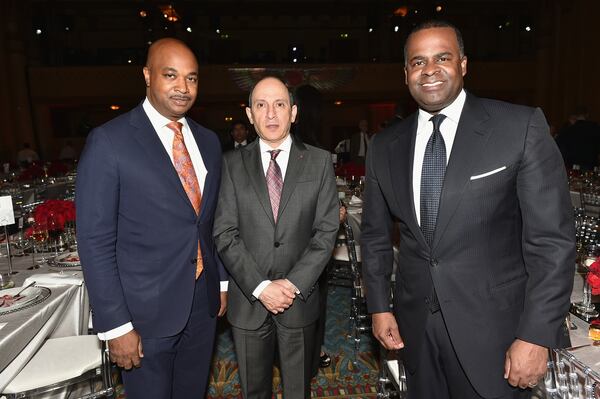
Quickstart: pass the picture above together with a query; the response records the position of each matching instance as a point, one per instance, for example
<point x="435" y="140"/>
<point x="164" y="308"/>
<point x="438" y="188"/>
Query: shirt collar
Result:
<point x="285" y="146"/>
<point x="156" y="118"/>
<point x="452" y="111"/>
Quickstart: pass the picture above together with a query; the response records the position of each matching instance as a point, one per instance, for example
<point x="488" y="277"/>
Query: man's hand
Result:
<point x="525" y="364"/>
<point x="276" y="297"/>
<point x="287" y="284"/>
<point x="126" y="350"/>
<point x="223" y="307"/>
<point x="385" y="329"/>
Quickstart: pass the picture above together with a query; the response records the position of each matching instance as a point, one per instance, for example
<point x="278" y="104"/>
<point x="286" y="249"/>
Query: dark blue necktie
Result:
<point x="432" y="178"/>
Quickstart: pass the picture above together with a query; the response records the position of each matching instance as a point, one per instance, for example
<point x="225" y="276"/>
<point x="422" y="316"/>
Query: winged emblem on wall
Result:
<point x="324" y="79"/>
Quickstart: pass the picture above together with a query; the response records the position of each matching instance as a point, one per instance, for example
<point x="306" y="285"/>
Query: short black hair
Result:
<point x="436" y="23"/>
<point x="292" y="102"/>
<point x="238" y="122"/>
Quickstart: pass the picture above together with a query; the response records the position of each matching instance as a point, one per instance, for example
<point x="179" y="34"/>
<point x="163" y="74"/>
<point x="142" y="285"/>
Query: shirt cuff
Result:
<point x="224" y="286"/>
<point x="260" y="288"/>
<point x="115" y="332"/>
<point x="296" y="290"/>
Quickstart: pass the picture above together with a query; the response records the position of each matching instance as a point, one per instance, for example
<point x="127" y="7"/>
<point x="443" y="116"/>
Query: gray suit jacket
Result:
<point x="254" y="248"/>
<point x="503" y="253"/>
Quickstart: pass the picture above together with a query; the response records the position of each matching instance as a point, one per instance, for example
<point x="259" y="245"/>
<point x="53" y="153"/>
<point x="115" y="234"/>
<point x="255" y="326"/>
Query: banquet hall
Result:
<point x="69" y="66"/>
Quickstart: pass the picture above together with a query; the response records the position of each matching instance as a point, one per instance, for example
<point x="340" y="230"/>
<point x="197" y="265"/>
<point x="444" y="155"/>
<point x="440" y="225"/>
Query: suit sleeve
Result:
<point x="548" y="235"/>
<point x="240" y="263"/>
<point x="305" y="273"/>
<point x="97" y="205"/>
<point x="376" y="238"/>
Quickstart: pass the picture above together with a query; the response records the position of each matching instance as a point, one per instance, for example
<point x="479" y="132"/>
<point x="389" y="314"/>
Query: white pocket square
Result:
<point x="486" y="174"/>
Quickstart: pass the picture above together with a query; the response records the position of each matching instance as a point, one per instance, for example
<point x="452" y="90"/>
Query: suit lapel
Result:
<point x="469" y="142"/>
<point x="294" y="170"/>
<point x="145" y="134"/>
<point x="402" y="153"/>
<point x="253" y="165"/>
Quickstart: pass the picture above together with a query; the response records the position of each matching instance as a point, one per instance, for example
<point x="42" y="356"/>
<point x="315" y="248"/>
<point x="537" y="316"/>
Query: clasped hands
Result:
<point x="278" y="295"/>
<point x="524" y="365"/>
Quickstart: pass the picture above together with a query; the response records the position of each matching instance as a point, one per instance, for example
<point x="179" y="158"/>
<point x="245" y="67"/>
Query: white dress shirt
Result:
<point x="159" y="123"/>
<point x="365" y="140"/>
<point x="238" y="145"/>
<point x="424" y="131"/>
<point x="282" y="160"/>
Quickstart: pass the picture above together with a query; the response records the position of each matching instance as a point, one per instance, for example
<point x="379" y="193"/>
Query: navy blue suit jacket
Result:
<point x="137" y="230"/>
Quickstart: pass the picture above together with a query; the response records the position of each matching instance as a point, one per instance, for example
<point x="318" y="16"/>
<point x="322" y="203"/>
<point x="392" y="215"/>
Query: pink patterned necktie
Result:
<point x="187" y="176"/>
<point x="274" y="183"/>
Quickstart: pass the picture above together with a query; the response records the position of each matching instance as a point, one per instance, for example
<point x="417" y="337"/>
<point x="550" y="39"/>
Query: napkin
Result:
<point x="66" y="278"/>
<point x="355" y="201"/>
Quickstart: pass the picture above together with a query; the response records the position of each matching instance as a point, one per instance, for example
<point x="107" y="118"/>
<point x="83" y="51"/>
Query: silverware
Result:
<point x="24" y="288"/>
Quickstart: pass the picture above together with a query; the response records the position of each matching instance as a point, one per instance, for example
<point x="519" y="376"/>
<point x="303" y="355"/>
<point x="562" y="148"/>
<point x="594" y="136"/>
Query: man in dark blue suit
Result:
<point x="147" y="188"/>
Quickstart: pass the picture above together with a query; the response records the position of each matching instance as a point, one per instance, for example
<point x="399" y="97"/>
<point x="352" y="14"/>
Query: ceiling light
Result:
<point x="170" y="13"/>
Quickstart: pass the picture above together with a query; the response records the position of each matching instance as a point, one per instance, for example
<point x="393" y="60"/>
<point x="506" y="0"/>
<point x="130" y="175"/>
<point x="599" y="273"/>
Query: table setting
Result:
<point x="42" y="290"/>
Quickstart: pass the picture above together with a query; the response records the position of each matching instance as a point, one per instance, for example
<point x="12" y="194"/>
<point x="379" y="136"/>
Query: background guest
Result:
<point x="239" y="134"/>
<point x="27" y="155"/>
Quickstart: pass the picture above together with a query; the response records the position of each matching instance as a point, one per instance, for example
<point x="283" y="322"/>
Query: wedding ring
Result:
<point x="532" y="384"/>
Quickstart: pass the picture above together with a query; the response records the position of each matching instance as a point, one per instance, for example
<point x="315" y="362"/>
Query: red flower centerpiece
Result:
<point x="53" y="213"/>
<point x="593" y="277"/>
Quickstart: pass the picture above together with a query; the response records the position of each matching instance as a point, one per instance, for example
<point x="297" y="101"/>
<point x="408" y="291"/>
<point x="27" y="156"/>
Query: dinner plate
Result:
<point x="69" y="260"/>
<point x="30" y="297"/>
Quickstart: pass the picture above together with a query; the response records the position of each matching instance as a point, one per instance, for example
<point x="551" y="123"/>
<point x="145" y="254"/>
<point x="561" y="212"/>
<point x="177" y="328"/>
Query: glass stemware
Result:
<point x="39" y="235"/>
<point x="586" y="308"/>
<point x="54" y="233"/>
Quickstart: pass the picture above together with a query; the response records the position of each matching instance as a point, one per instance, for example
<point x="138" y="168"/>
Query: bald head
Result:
<point x="166" y="44"/>
<point x="171" y="75"/>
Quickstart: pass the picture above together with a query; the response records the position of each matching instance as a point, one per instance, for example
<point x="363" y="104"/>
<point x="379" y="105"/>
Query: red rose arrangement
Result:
<point x="593" y="277"/>
<point x="350" y="169"/>
<point x="57" y="211"/>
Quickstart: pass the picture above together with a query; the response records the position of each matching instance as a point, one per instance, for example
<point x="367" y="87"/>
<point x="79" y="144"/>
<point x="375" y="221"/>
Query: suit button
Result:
<point x="277" y="244"/>
<point x="433" y="262"/>
<point x="194" y="261"/>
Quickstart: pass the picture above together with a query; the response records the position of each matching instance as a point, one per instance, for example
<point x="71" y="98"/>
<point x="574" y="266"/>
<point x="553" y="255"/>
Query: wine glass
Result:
<point x="586" y="308"/>
<point x="6" y="281"/>
<point x="39" y="235"/>
<point x="54" y="232"/>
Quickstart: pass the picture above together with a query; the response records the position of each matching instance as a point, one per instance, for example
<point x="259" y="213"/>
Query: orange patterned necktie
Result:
<point x="187" y="176"/>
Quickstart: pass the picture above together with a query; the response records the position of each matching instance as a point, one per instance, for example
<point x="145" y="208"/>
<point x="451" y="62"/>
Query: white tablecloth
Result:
<point x="64" y="313"/>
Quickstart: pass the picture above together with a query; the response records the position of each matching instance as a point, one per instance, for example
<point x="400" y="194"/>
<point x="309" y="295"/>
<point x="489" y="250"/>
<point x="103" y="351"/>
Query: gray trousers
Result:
<point x="255" y="351"/>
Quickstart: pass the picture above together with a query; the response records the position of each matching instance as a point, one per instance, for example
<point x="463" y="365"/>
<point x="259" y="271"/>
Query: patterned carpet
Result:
<point x="340" y="380"/>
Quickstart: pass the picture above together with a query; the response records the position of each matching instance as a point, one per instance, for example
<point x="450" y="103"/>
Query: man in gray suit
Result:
<point x="487" y="237"/>
<point x="275" y="228"/>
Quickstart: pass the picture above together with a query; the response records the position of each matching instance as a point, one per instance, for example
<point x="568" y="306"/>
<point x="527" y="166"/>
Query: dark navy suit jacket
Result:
<point x="138" y="232"/>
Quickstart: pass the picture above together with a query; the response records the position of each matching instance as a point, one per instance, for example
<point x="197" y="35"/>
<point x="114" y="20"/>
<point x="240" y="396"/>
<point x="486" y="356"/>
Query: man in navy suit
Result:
<point x="147" y="189"/>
